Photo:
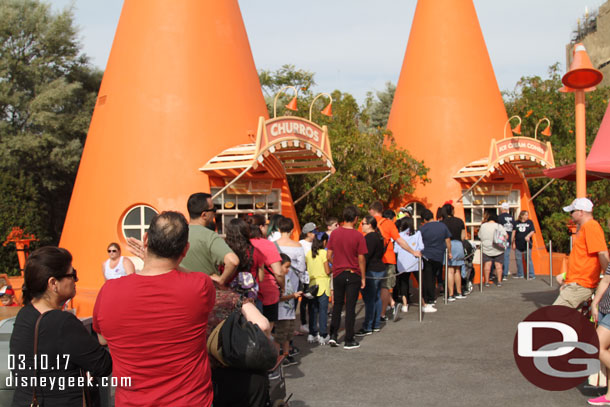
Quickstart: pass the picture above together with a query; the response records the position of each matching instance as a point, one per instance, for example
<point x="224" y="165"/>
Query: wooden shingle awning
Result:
<point x="284" y="146"/>
<point x="523" y="156"/>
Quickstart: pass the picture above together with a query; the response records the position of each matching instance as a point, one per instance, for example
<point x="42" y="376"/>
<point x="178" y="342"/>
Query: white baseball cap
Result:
<point x="505" y="205"/>
<point x="580" y="204"/>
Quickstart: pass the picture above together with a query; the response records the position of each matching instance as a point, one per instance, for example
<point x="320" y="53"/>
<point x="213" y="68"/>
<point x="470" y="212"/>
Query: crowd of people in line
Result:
<point x="152" y="324"/>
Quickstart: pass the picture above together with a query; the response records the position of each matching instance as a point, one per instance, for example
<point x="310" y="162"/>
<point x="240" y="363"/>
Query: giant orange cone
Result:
<point x="180" y="87"/>
<point x="447" y="105"/>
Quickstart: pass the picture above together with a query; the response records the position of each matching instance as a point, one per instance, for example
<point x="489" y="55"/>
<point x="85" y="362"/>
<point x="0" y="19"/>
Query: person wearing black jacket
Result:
<point x="64" y="347"/>
<point x="375" y="272"/>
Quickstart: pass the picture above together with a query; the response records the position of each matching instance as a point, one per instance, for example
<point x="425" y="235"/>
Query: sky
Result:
<point x="357" y="46"/>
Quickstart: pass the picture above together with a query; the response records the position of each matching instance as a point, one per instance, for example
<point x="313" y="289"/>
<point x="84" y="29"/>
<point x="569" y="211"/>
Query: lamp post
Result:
<point x="546" y="131"/>
<point x="581" y="78"/>
<point x="517" y="129"/>
<point x="327" y="111"/>
<point x="292" y="105"/>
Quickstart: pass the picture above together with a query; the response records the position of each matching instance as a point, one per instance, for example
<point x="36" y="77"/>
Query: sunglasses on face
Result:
<point x="69" y="275"/>
<point x="113" y="251"/>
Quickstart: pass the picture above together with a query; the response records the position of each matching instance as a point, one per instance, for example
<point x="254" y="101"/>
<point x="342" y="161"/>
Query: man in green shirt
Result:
<point x="208" y="250"/>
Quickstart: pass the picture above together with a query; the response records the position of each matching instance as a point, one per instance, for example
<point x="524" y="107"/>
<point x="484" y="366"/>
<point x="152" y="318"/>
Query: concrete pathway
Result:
<point x="460" y="356"/>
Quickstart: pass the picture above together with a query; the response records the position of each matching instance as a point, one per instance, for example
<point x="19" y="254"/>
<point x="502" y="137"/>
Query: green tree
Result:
<point x="534" y="98"/>
<point x="378" y="107"/>
<point x="47" y="94"/>
<point x="369" y="165"/>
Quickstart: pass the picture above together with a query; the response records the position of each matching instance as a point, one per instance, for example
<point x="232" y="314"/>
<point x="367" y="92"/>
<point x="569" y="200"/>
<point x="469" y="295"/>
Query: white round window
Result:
<point x="137" y="220"/>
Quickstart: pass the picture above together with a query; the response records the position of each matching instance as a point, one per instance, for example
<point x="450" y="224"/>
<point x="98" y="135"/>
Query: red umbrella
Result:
<point x="598" y="161"/>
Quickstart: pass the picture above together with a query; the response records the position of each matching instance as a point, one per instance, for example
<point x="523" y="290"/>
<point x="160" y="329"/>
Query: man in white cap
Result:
<point x="506" y="219"/>
<point x="589" y="256"/>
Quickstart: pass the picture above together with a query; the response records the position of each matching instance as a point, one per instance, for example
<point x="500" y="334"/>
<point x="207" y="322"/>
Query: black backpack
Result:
<point x="245" y="346"/>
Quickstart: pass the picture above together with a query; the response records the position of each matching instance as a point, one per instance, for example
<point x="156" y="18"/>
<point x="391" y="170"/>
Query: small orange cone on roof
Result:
<point x="328" y="110"/>
<point x="581" y="74"/>
<point x="517" y="129"/>
<point x="292" y="105"/>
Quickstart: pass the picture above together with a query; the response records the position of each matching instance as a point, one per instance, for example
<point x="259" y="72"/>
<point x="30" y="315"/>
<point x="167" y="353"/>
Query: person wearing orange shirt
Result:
<point x="390" y="234"/>
<point x="588" y="258"/>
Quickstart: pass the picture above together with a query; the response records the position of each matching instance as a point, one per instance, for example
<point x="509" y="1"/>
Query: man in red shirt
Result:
<point x="390" y="234"/>
<point x="346" y="249"/>
<point x="155" y="323"/>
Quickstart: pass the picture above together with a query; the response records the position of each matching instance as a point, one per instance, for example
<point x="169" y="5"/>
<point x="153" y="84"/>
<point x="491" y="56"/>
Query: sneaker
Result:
<point x="333" y="342"/>
<point x="505" y="278"/>
<point x="364" y="332"/>
<point x="376" y="329"/>
<point x="429" y="308"/>
<point x="460" y="296"/>
<point x="274" y="375"/>
<point x="397" y="308"/>
<point x="599" y="401"/>
<point x="293" y="351"/>
<point x="487" y="285"/>
<point x="313" y="338"/>
<point x="383" y="318"/>
<point x="351" y="345"/>
<point x="289" y="361"/>
<point x="499" y="285"/>
<point x="532" y="277"/>
<point x="451" y="298"/>
<point x="405" y="308"/>
<point x="323" y="340"/>
<point x="304" y="329"/>
<point x="518" y="276"/>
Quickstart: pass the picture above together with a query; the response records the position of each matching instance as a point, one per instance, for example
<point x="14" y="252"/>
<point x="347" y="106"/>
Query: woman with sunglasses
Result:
<point x="65" y="349"/>
<point x="116" y="266"/>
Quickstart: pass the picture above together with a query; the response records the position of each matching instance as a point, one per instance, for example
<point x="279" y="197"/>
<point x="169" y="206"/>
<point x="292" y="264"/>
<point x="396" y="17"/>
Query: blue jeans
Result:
<point x="505" y="267"/>
<point x="519" y="256"/>
<point x="372" y="300"/>
<point x="318" y="308"/>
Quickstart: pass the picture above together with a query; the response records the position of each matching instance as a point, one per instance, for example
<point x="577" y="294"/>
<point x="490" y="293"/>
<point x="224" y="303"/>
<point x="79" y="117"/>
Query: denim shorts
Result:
<point x="604" y="320"/>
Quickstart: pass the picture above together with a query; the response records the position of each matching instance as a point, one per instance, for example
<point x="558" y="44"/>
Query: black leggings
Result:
<point x="402" y="287"/>
<point x="431" y="270"/>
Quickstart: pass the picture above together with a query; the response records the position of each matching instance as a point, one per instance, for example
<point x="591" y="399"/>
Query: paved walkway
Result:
<point x="460" y="356"/>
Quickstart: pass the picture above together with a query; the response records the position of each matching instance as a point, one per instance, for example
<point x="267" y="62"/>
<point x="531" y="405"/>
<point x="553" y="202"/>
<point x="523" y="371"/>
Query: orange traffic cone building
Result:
<point x="180" y="87"/>
<point x="447" y="106"/>
<point x="448" y="112"/>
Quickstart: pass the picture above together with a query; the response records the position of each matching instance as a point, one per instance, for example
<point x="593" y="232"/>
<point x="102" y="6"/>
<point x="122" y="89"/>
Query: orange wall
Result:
<point x="447" y="106"/>
<point x="180" y="87"/>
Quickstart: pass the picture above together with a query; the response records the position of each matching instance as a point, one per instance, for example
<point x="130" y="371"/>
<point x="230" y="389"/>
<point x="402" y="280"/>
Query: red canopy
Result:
<point x="598" y="161"/>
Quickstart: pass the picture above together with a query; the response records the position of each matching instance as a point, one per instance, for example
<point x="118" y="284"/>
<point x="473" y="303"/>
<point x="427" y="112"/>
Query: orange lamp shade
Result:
<point x="517" y="129"/>
<point x="292" y="105"/>
<point x="581" y="74"/>
<point x="546" y="132"/>
<point x="328" y="110"/>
